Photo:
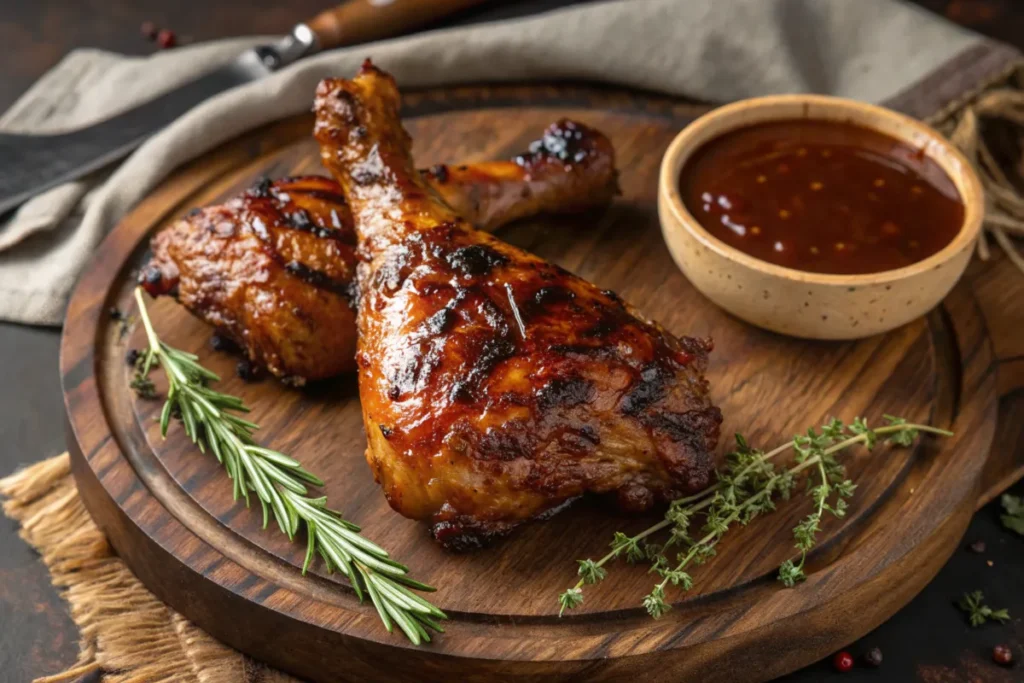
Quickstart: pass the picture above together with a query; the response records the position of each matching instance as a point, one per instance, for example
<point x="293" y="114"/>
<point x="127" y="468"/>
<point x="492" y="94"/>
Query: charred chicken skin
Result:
<point x="274" y="268"/>
<point x="495" y="386"/>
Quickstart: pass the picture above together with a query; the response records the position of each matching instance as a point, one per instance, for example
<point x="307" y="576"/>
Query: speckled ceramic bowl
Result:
<point x="799" y="303"/>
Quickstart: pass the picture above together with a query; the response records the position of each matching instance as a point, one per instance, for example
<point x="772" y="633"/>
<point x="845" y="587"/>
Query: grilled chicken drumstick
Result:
<point x="495" y="386"/>
<point x="274" y="268"/>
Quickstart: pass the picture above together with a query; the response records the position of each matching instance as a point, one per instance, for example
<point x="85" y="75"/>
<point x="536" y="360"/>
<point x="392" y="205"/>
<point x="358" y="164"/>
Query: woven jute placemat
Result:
<point x="126" y="633"/>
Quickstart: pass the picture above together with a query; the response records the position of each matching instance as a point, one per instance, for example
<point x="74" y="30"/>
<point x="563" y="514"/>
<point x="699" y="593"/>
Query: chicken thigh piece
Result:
<point x="495" y="386"/>
<point x="274" y="268"/>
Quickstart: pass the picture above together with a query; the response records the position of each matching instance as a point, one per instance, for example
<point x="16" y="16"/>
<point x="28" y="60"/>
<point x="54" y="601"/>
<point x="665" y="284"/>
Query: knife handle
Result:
<point x="362" y="21"/>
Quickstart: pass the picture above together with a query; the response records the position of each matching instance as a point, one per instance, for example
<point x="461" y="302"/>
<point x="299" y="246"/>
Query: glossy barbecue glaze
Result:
<point x="272" y="268"/>
<point x="496" y="387"/>
<point x="275" y="267"/>
<point x="822" y="196"/>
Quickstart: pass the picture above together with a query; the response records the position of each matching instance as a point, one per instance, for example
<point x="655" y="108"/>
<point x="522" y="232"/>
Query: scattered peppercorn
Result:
<point x="843" y="662"/>
<point x="132" y="357"/>
<point x="1002" y="654"/>
<point x="219" y="342"/>
<point x="148" y="30"/>
<point x="166" y="38"/>
<point x="115" y="313"/>
<point x="977" y="547"/>
<point x="873" y="657"/>
<point x="246" y="371"/>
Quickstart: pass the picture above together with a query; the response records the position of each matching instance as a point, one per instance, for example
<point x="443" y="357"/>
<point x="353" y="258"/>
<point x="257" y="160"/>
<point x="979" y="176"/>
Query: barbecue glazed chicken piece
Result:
<point x="274" y="268"/>
<point x="495" y="386"/>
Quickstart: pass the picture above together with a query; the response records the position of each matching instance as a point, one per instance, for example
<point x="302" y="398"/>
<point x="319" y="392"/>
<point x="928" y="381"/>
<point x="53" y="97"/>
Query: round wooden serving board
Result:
<point x="169" y="513"/>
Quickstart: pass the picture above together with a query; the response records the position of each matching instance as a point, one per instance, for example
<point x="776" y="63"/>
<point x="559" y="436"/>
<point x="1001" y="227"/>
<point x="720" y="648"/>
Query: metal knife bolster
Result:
<point x="300" y="43"/>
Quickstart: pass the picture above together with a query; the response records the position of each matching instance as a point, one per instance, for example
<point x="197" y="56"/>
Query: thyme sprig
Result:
<point x="281" y="485"/>
<point x="978" y="612"/>
<point x="746" y="488"/>
<point x="1013" y="506"/>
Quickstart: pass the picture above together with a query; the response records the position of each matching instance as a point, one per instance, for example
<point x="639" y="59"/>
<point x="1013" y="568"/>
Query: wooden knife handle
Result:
<point x="362" y="21"/>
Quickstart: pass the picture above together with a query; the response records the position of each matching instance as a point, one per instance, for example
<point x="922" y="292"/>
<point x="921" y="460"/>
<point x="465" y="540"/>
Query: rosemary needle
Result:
<point x="211" y="420"/>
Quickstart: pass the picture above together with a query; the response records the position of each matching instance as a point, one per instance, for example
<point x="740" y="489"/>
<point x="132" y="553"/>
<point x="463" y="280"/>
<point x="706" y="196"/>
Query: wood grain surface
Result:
<point x="168" y="510"/>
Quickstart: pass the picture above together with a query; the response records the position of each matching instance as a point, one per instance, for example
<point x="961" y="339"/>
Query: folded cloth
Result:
<point x="44" y="246"/>
<point x="709" y="51"/>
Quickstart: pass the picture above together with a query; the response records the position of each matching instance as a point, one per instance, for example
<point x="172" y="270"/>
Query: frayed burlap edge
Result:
<point x="126" y="633"/>
<point x="1004" y="203"/>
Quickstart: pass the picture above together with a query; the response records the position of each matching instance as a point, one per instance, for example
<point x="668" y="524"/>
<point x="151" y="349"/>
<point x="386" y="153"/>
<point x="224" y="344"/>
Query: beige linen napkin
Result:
<point x="709" y="51"/>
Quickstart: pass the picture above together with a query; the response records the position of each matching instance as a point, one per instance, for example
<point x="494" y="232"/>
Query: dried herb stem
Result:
<point x="745" y="489"/>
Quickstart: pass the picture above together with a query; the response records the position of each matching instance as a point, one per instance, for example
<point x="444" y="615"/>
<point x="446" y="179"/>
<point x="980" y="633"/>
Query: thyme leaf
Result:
<point x="1013" y="506"/>
<point x="978" y="612"/>
<point x="748" y="486"/>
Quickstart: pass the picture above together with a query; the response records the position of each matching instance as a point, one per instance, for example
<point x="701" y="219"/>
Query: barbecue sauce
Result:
<point x="822" y="196"/>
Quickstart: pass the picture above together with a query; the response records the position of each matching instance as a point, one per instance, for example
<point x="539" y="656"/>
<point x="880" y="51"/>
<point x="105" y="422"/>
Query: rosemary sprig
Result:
<point x="978" y="612"/>
<point x="745" y="489"/>
<point x="280" y="483"/>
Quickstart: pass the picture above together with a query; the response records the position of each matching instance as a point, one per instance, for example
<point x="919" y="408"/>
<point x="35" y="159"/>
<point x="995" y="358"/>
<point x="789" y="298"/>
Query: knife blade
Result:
<point x="34" y="163"/>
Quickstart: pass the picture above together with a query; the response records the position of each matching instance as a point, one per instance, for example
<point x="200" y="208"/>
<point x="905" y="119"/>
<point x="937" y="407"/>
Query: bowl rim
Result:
<point x="969" y="185"/>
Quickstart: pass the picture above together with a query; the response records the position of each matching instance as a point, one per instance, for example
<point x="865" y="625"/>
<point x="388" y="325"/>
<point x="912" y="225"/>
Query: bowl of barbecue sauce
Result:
<point x="818" y="217"/>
